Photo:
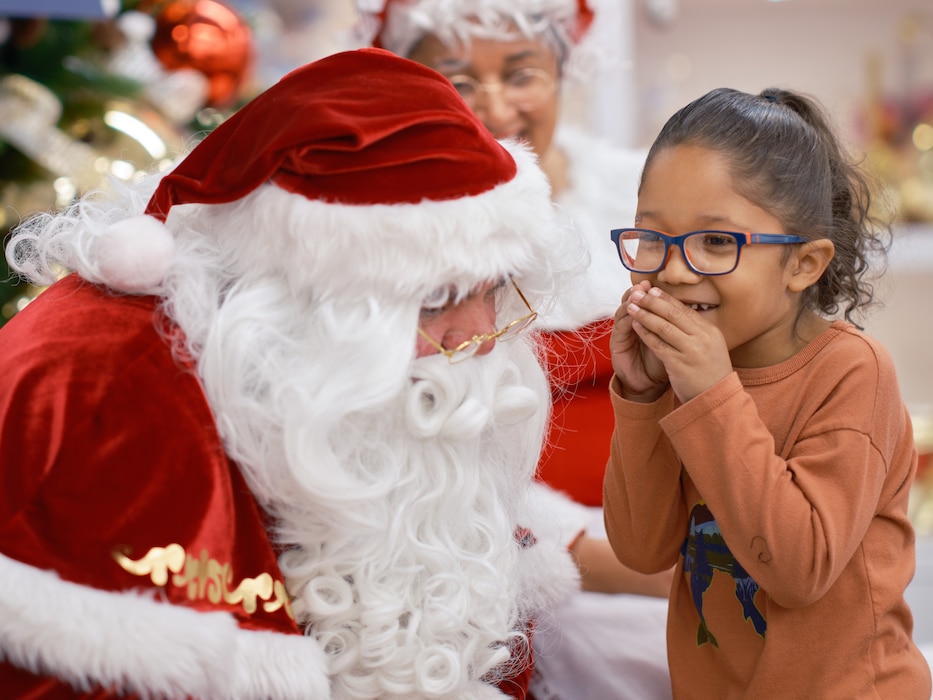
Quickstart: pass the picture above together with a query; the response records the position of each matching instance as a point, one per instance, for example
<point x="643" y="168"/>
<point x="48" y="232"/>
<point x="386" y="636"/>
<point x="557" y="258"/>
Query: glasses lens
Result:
<point x="467" y="88"/>
<point x="517" y="327"/>
<point x="642" y="250"/>
<point x="528" y="87"/>
<point x="465" y="351"/>
<point x="712" y="252"/>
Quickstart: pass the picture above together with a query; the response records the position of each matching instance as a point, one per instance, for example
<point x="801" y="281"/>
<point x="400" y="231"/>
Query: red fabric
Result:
<point x="577" y="450"/>
<point x="584" y="20"/>
<point x="106" y="443"/>
<point x="517" y="686"/>
<point x="23" y="685"/>
<point x="332" y="131"/>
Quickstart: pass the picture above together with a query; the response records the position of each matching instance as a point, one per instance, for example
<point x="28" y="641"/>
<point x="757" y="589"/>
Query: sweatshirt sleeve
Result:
<point x="645" y="513"/>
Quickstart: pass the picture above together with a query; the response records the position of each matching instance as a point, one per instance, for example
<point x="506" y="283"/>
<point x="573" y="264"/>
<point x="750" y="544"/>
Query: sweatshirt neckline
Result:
<point x="765" y="375"/>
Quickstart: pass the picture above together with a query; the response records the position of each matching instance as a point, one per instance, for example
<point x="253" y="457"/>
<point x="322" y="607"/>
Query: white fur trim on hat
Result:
<point x="134" y="255"/>
<point x="132" y="642"/>
<point x="392" y="249"/>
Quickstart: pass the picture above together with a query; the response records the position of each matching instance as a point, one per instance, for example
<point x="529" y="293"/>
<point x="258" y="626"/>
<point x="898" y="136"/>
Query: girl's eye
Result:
<point x="718" y="240"/>
<point x="650" y="238"/>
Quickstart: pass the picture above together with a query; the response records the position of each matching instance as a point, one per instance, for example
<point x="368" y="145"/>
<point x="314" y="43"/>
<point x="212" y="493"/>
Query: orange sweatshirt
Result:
<point x="781" y="494"/>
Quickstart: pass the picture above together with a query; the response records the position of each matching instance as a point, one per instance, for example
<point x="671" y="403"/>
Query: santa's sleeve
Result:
<point x="133" y="557"/>
<point x="551" y="522"/>
<point x="58" y="634"/>
<point x="553" y="516"/>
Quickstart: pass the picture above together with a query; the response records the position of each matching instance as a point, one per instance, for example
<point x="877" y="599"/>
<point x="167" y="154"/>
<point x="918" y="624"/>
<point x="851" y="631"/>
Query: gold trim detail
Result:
<point x="206" y="579"/>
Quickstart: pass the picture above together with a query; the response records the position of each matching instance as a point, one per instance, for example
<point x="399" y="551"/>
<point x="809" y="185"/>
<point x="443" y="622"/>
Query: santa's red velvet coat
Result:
<point x="133" y="556"/>
<point x="114" y="481"/>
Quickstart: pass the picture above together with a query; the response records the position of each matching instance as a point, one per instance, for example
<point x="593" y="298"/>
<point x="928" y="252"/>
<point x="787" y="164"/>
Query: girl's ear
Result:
<point x="809" y="262"/>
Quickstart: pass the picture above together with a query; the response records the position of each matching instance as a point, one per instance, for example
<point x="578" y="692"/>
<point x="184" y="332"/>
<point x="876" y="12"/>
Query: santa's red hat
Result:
<point x="331" y="131"/>
<point x="376" y="153"/>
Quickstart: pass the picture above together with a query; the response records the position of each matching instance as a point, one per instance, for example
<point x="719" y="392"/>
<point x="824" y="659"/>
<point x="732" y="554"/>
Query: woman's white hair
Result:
<point x="455" y="22"/>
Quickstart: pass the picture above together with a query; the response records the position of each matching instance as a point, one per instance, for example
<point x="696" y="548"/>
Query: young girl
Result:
<point x="761" y="446"/>
<point x="512" y="61"/>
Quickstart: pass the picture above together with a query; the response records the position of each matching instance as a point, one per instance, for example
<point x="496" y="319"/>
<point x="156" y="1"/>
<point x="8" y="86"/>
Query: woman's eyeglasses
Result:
<point x="706" y="252"/>
<point x="524" y="89"/>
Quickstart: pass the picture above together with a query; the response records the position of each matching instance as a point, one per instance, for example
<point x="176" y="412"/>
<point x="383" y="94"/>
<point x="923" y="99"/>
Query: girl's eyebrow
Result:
<point x="704" y="221"/>
<point x="721" y="222"/>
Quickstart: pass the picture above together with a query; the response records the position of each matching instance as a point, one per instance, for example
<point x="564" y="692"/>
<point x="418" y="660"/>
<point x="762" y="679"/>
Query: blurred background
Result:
<point x="97" y="91"/>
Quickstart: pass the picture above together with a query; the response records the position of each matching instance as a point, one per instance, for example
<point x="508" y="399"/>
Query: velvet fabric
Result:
<point x="329" y="131"/>
<point x="109" y="453"/>
<point x="577" y="450"/>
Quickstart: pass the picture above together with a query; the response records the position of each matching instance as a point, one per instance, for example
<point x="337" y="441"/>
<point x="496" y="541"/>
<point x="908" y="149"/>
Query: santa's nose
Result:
<point x="473" y="318"/>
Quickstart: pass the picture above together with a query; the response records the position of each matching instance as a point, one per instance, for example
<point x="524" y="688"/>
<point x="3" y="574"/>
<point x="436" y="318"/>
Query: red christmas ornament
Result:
<point x="207" y="36"/>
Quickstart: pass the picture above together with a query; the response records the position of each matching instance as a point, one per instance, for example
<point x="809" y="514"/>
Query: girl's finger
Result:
<point x="658" y="325"/>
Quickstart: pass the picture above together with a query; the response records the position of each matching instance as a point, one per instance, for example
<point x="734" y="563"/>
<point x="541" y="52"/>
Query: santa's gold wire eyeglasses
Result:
<point x="468" y="348"/>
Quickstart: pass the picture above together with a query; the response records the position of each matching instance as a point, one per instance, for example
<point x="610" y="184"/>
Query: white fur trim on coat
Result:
<point x="556" y="516"/>
<point x="130" y="641"/>
<point x="549" y="574"/>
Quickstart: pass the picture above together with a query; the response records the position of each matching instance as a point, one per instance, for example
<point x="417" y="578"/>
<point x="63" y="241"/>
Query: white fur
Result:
<point x="136" y="644"/>
<point x="554" y="515"/>
<point x="135" y="254"/>
<point x="394" y="251"/>
<point x="548" y="575"/>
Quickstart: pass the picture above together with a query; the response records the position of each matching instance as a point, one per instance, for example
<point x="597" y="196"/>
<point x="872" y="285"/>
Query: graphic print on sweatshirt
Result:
<point x="705" y="553"/>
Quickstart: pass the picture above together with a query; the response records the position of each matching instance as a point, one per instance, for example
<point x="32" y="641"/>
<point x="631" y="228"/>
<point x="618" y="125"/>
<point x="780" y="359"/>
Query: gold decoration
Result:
<point x="206" y="579"/>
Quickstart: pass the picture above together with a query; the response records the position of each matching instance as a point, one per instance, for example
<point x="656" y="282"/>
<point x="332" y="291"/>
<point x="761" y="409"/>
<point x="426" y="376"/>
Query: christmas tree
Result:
<point x="89" y="95"/>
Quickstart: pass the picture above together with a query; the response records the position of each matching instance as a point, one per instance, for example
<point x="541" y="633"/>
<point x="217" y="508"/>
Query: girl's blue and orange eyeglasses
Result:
<point x="711" y="252"/>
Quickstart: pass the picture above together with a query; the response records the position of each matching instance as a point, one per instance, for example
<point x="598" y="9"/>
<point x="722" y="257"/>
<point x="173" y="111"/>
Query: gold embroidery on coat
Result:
<point x="207" y="579"/>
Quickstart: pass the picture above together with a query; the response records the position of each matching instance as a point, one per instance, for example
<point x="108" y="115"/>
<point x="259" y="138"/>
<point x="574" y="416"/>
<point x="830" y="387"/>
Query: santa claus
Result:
<point x="266" y="439"/>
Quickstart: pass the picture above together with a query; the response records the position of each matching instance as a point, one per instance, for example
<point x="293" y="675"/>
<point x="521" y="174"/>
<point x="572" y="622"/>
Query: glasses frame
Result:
<point x="742" y="238"/>
<point x="501" y="86"/>
<point x="468" y="348"/>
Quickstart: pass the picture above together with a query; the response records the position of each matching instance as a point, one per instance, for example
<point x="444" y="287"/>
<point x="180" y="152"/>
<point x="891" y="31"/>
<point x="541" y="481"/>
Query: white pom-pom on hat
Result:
<point x="134" y="254"/>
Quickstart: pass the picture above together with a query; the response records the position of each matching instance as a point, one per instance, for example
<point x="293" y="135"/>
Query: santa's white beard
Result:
<point x="396" y="487"/>
<point x="413" y="588"/>
<point x="398" y="506"/>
